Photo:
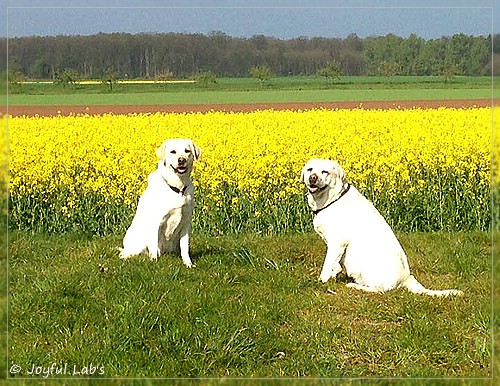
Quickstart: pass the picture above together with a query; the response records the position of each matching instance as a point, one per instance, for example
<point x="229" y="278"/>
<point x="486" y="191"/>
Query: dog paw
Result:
<point x="188" y="264"/>
<point x="153" y="254"/>
<point x="324" y="278"/>
<point x="123" y="254"/>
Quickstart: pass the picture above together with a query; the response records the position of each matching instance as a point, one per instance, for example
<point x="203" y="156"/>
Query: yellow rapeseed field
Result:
<point x="427" y="160"/>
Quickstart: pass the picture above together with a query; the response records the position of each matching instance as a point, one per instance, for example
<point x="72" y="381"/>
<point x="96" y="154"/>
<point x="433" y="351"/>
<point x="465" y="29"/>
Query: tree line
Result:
<point x="182" y="55"/>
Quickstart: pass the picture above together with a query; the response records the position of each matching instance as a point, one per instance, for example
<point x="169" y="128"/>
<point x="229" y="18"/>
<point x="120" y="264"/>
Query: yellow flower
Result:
<point x="257" y="155"/>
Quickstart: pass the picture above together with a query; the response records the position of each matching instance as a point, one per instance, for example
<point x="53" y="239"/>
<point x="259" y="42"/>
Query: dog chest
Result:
<point x="174" y="221"/>
<point x="324" y="230"/>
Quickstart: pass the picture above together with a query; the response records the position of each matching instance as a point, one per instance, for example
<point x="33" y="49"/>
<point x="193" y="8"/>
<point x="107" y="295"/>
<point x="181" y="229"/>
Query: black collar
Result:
<point x="177" y="190"/>
<point x="338" y="198"/>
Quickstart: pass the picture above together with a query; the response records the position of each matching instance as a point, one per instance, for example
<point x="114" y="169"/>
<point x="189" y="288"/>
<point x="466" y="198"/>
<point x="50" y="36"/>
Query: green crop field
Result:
<point x="248" y="90"/>
<point x="268" y="96"/>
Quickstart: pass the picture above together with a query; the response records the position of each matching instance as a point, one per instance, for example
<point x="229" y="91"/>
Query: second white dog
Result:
<point x="162" y="223"/>
<point x="357" y="236"/>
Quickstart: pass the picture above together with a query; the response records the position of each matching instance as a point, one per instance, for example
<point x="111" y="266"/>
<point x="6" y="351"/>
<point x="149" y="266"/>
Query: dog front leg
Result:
<point x="153" y="252"/>
<point x="153" y="243"/>
<point x="331" y="266"/>
<point x="184" y="244"/>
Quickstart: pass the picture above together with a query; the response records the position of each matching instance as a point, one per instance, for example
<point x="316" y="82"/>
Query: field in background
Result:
<point x="226" y="97"/>
<point x="248" y="90"/>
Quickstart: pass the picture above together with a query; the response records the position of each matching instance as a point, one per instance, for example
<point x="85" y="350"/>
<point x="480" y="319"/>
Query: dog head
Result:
<point x="325" y="181"/>
<point x="322" y="174"/>
<point x="178" y="155"/>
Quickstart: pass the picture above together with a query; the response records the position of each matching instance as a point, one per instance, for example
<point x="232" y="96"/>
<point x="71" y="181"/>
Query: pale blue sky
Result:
<point x="283" y="19"/>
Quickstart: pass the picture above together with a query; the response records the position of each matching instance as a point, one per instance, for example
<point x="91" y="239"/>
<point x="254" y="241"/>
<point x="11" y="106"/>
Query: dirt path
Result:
<point x="127" y="109"/>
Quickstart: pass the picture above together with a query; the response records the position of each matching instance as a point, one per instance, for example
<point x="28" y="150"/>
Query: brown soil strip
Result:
<point x="241" y="107"/>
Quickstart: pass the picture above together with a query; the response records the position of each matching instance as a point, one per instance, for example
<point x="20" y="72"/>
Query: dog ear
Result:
<point x="160" y="152"/>
<point x="196" y="150"/>
<point x="338" y="172"/>
<point x="303" y="174"/>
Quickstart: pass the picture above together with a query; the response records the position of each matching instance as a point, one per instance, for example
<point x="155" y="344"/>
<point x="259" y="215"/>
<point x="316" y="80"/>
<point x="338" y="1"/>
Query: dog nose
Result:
<point x="313" y="178"/>
<point x="182" y="161"/>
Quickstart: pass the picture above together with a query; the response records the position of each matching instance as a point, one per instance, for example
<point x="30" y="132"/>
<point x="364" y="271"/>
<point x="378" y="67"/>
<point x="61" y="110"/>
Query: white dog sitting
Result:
<point x="357" y="236"/>
<point x="162" y="223"/>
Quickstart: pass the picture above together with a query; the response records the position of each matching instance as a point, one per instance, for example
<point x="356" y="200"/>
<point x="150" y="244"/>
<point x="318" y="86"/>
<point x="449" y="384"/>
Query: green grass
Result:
<point x="248" y="300"/>
<point x="248" y="90"/>
<point x="265" y="96"/>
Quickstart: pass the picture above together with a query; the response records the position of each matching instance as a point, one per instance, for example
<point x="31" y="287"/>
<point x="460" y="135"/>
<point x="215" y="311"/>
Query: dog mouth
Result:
<point x="180" y="169"/>
<point x="313" y="188"/>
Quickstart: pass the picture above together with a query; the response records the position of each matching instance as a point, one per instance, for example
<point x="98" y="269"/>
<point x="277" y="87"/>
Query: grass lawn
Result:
<point x="252" y="307"/>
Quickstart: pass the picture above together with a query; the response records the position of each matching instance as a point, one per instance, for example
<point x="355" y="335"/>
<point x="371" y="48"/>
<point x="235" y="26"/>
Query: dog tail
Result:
<point x="414" y="286"/>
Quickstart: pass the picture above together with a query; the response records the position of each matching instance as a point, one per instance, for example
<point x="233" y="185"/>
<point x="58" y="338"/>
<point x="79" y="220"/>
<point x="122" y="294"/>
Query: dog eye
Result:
<point x="310" y="169"/>
<point x="188" y="151"/>
<point x="324" y="171"/>
<point x="172" y="152"/>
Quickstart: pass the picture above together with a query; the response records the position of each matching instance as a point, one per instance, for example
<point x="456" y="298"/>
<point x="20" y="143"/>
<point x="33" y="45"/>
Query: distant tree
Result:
<point x="449" y="72"/>
<point x="205" y="78"/>
<point x="165" y="75"/>
<point x="494" y="65"/>
<point x="381" y="53"/>
<point x="388" y="68"/>
<point x="145" y="55"/>
<point x="262" y="73"/>
<point x="109" y="78"/>
<point x="496" y="44"/>
<point x="66" y="77"/>
<point x="410" y="60"/>
<point x="14" y="77"/>
<point x="330" y="71"/>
